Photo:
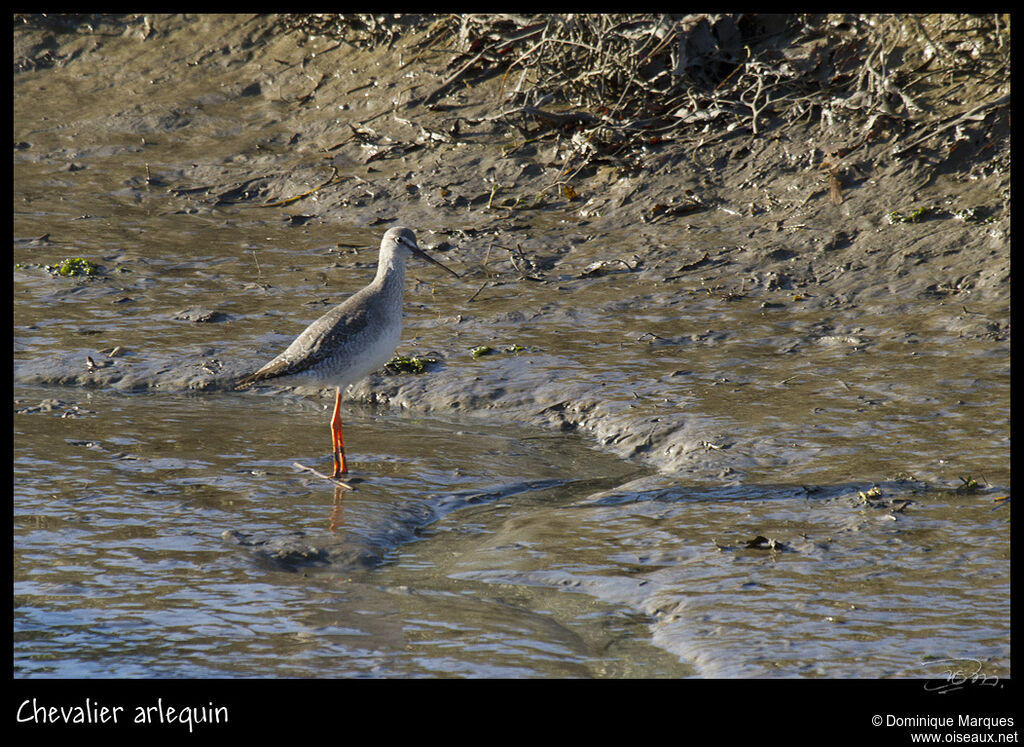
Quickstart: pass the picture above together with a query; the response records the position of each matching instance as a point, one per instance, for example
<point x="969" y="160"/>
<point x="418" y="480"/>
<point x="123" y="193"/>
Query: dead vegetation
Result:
<point x="613" y="84"/>
<point x="638" y="91"/>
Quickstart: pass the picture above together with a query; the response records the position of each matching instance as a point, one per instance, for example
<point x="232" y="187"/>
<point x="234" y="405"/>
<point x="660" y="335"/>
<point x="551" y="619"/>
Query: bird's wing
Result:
<point x="321" y="339"/>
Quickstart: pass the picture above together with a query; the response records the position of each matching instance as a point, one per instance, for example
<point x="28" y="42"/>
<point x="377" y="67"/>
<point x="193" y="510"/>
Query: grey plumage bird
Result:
<point x="353" y="339"/>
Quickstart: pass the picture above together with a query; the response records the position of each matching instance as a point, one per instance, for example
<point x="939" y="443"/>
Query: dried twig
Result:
<point x="322" y="476"/>
<point x="296" y="198"/>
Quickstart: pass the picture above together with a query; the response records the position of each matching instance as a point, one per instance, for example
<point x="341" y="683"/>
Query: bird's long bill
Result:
<point x="421" y="253"/>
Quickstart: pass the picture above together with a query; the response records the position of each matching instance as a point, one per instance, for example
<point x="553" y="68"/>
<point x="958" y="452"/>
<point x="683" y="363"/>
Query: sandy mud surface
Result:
<point x="363" y="128"/>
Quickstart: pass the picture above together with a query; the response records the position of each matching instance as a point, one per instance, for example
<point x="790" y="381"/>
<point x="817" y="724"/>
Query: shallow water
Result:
<point x="145" y="558"/>
<point x="471" y="551"/>
<point x="587" y="506"/>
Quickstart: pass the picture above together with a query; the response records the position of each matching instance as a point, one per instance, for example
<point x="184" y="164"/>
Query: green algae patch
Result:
<point x="408" y="364"/>
<point x="72" y="267"/>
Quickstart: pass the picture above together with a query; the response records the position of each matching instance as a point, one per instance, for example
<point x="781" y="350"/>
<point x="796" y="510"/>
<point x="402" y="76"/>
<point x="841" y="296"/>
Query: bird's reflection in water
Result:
<point x="337" y="517"/>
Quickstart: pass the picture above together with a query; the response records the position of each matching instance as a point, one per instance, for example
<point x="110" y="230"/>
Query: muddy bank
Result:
<point x="590" y="257"/>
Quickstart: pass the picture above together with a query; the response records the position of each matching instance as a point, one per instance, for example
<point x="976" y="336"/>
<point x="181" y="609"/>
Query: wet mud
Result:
<point x="763" y="239"/>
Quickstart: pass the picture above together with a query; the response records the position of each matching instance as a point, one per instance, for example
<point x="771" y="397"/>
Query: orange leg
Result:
<point x="337" y="440"/>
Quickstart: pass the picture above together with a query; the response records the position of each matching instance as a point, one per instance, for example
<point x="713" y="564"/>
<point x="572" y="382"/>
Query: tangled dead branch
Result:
<point x="610" y="84"/>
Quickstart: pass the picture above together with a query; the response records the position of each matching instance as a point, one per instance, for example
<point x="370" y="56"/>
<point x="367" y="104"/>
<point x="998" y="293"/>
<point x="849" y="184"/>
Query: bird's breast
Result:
<point x="362" y="354"/>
